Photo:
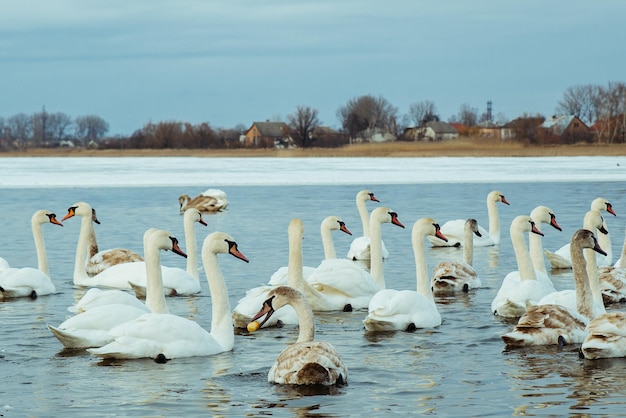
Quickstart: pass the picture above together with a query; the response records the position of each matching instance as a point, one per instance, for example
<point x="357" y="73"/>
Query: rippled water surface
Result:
<point x="457" y="369"/>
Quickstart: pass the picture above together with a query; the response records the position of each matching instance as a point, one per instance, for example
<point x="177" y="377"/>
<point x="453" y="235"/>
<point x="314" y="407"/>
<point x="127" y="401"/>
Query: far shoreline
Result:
<point x="453" y="148"/>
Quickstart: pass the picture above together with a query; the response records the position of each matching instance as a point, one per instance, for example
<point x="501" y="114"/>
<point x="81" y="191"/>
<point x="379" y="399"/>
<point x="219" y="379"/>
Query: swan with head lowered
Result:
<point x="525" y="286"/>
<point x="561" y="259"/>
<point x="28" y="281"/>
<point x="307" y="362"/>
<point x="451" y="276"/>
<point x="454" y="230"/>
<point x="555" y="324"/>
<point x="98" y="261"/>
<point x="406" y="310"/>
<point x="360" y="246"/>
<point x="163" y="336"/>
<point x="211" y="200"/>
<point x="90" y="328"/>
<point x="593" y="221"/>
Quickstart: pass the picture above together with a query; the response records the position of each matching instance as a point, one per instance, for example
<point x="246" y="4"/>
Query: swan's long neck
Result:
<point x="494" y="220"/>
<point x="468" y="247"/>
<point x="535" y="243"/>
<point x="191" y="245"/>
<point x="80" y="263"/>
<point x="328" y="244"/>
<point x="376" y="252"/>
<point x="594" y="284"/>
<point x="622" y="259"/>
<point x="306" y="321"/>
<point x="295" y="278"/>
<point x="40" y="246"/>
<point x="421" y="268"/>
<point x="155" y="297"/>
<point x="584" y="298"/>
<point x="222" y="328"/>
<point x="522" y="256"/>
<point x="365" y="219"/>
<point x="92" y="242"/>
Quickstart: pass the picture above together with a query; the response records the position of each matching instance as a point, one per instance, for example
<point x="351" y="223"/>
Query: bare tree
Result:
<point x="58" y="125"/>
<point x="20" y="127"/>
<point x="90" y="128"/>
<point x="611" y="126"/>
<point x="423" y="112"/>
<point x="368" y="113"/>
<point x="467" y="115"/>
<point x="302" y="124"/>
<point x="581" y="101"/>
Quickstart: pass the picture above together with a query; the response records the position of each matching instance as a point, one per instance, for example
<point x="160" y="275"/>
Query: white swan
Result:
<point x="340" y="284"/>
<point x="307" y="362"/>
<point x="400" y="310"/>
<point x="176" y="281"/>
<point x="561" y="259"/>
<point x="454" y="229"/>
<point x="329" y="224"/>
<point x="211" y="200"/>
<point x="525" y="286"/>
<point x="555" y="324"/>
<point x="90" y="328"/>
<point x="360" y="246"/>
<point x="165" y="336"/>
<point x="98" y="261"/>
<point x="541" y="214"/>
<point x="451" y="275"/>
<point x="567" y="298"/>
<point x="28" y="281"/>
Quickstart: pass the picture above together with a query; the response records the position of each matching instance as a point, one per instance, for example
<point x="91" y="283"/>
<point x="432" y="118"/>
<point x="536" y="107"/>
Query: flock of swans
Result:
<point x="124" y="313"/>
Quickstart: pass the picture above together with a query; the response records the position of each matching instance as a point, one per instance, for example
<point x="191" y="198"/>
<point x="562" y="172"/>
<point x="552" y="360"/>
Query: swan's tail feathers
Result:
<point x="70" y="340"/>
<point x="139" y="290"/>
<point x="556" y="261"/>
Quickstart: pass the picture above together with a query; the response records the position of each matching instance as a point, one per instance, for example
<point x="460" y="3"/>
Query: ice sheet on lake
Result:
<point x="192" y="171"/>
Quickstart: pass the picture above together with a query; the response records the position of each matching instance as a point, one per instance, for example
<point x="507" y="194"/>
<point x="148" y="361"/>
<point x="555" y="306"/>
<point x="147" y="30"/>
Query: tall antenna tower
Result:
<point x="489" y="114"/>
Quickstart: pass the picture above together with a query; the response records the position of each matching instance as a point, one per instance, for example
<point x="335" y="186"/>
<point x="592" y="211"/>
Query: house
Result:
<point x="436" y="131"/>
<point x="523" y="127"/>
<point x="488" y="129"/>
<point x="268" y="135"/>
<point x="461" y="128"/>
<point x="563" y="130"/>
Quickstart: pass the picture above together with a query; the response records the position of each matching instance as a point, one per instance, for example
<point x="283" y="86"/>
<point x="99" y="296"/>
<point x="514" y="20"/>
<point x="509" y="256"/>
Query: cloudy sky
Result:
<point x="232" y="62"/>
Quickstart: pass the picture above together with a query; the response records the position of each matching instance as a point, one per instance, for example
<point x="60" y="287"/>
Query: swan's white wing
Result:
<point x="22" y="282"/>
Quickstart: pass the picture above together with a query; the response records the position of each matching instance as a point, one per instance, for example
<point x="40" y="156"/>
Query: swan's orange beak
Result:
<point x="503" y="200"/>
<point x="70" y="212"/>
<point x="344" y="228"/>
<point x="373" y="198"/>
<point x="535" y="230"/>
<point x="439" y="235"/>
<point x="554" y="223"/>
<point x="395" y="220"/>
<point x="233" y="250"/>
<point x="53" y="219"/>
<point x="266" y="311"/>
<point x="176" y="249"/>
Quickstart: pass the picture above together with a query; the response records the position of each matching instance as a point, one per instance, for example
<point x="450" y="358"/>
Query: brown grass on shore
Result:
<point x="465" y="147"/>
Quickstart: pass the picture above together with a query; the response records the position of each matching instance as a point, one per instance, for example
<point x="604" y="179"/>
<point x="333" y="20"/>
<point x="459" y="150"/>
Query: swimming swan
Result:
<point x="360" y="246"/>
<point x="165" y="336"/>
<point x="90" y="328"/>
<point x="405" y="310"/>
<point x="451" y="275"/>
<point x="211" y="200"/>
<point x="306" y="362"/>
<point x="28" y="281"/>
<point x="555" y="324"/>
<point x="454" y="229"/>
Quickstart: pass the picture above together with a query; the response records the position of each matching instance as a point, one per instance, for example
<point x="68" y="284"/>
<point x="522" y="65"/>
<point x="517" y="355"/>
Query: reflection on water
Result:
<point x="457" y="369"/>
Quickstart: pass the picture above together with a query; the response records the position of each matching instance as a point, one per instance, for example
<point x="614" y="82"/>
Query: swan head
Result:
<point x="335" y="223"/>
<point x="427" y="226"/>
<point x="78" y="209"/>
<point x="222" y="243"/>
<point x="385" y="215"/>
<point x="472" y="225"/>
<point x="163" y="240"/>
<point x="544" y="214"/>
<point x="601" y="203"/>
<point x="496" y="196"/>
<point x="182" y="200"/>
<point x="44" y="217"/>
<point x="195" y="216"/>
<point x="277" y="298"/>
<point x="584" y="238"/>
<point x="365" y="195"/>
<point x="524" y="223"/>
<point x="593" y="220"/>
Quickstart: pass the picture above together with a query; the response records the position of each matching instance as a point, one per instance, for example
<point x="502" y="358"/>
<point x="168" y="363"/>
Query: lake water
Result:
<point x="457" y="369"/>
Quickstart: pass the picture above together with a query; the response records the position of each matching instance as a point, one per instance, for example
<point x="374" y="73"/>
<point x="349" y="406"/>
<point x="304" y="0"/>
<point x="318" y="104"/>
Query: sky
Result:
<point x="239" y="61"/>
<point x="157" y="171"/>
